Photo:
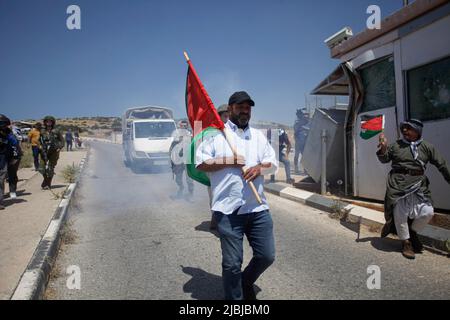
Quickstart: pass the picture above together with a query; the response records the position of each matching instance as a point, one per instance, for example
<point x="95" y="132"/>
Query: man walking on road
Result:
<point x="51" y="142"/>
<point x="234" y="206"/>
<point x="408" y="205"/>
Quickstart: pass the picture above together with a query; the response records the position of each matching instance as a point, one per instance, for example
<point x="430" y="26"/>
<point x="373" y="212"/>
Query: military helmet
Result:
<point x="50" y="118"/>
<point x="4" y="121"/>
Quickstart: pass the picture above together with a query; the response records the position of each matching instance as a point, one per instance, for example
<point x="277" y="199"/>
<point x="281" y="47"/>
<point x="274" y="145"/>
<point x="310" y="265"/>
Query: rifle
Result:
<point x="45" y="147"/>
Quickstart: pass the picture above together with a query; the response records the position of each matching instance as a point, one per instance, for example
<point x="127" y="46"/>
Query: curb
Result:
<point x="34" y="280"/>
<point x="436" y="237"/>
<point x="101" y="140"/>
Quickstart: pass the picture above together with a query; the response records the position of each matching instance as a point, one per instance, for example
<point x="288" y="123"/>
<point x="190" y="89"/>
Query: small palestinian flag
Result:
<point x="371" y="126"/>
<point x="199" y="108"/>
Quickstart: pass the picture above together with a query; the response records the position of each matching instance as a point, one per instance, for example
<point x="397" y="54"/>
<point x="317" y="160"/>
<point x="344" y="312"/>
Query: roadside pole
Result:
<point x="323" y="176"/>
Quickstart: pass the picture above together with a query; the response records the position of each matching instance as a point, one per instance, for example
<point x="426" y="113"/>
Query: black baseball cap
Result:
<point x="240" y="97"/>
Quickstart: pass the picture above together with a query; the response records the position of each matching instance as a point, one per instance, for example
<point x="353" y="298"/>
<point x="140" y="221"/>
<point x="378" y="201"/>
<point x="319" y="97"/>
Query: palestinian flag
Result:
<point x="199" y="108"/>
<point x="371" y="126"/>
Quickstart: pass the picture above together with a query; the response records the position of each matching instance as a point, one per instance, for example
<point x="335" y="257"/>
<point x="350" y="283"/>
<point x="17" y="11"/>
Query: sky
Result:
<point x="130" y="53"/>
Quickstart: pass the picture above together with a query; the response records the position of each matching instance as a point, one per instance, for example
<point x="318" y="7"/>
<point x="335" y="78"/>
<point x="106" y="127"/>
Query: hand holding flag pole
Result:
<point x="200" y="108"/>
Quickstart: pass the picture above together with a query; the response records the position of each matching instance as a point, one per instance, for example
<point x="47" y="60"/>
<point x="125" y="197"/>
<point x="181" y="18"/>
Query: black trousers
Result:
<point x="3" y="173"/>
<point x="13" y="167"/>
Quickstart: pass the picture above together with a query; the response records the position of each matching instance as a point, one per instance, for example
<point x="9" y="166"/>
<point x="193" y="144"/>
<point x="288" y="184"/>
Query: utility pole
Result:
<point x="323" y="176"/>
<point x="306" y="103"/>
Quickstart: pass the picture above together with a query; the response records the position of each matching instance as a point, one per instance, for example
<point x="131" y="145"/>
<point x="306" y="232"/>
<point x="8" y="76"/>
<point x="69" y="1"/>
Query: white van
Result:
<point x="148" y="133"/>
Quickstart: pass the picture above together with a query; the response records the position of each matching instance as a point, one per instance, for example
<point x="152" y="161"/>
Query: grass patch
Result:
<point x="70" y="173"/>
<point x="27" y="160"/>
<point x="68" y="234"/>
<point x="339" y="210"/>
<point x="58" y="195"/>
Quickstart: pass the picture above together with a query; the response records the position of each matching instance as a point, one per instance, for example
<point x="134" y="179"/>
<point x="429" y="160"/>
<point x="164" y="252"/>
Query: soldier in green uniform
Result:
<point x="51" y="143"/>
<point x="408" y="204"/>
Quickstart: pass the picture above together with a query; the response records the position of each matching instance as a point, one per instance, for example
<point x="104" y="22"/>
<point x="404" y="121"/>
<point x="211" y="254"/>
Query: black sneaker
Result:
<point x="248" y="292"/>
<point x="2" y="207"/>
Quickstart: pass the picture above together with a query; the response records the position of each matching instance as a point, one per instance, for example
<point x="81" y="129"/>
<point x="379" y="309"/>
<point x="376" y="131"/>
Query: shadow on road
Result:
<point x="203" y="285"/>
<point x="204" y="226"/>
<point x="383" y="244"/>
<point x="22" y="193"/>
<point x="58" y="186"/>
<point x="9" y="202"/>
<point x="351" y="226"/>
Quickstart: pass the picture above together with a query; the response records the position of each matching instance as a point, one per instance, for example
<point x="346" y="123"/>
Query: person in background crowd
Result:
<point x="179" y="145"/>
<point x="33" y="137"/>
<point x="13" y="165"/>
<point x="300" y="134"/>
<point x="77" y="139"/>
<point x="9" y="151"/>
<point x="17" y="132"/>
<point x="224" y="113"/>
<point x="284" y="148"/>
<point x="51" y="142"/>
<point x="69" y="140"/>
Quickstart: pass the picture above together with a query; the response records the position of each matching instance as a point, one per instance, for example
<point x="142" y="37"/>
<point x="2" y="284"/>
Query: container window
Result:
<point x="429" y="91"/>
<point x="378" y="81"/>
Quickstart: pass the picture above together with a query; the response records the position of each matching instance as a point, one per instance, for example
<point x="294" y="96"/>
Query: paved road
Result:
<point x="134" y="241"/>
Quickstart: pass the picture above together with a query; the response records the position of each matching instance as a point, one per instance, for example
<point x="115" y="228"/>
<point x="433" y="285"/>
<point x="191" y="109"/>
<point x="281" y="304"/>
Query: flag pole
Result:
<point x="228" y="139"/>
<point x="186" y="56"/>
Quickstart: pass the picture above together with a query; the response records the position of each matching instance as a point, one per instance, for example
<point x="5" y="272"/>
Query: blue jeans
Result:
<point x="287" y="168"/>
<point x="258" y="227"/>
<point x="299" y="147"/>
<point x="35" y="156"/>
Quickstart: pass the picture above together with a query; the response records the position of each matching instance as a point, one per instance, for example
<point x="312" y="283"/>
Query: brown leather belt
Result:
<point x="410" y="172"/>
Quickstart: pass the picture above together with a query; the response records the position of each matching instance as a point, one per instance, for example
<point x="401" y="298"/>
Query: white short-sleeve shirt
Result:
<point x="229" y="190"/>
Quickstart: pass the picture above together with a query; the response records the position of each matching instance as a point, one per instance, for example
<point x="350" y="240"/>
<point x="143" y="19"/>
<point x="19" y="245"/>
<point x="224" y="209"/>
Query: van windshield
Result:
<point x="154" y="129"/>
